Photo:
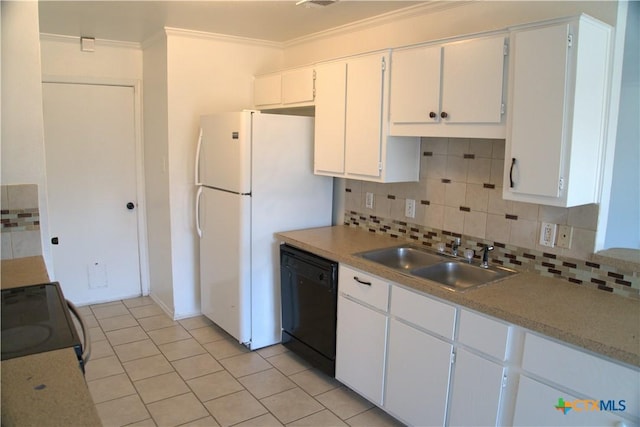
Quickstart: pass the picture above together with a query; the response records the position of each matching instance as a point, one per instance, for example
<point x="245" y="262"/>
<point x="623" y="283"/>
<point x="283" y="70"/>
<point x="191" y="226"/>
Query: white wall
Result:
<point x="22" y="139"/>
<point x="61" y="56"/>
<point x="623" y="226"/>
<point x="205" y="74"/>
<point x="157" y="171"/>
<point x="436" y="22"/>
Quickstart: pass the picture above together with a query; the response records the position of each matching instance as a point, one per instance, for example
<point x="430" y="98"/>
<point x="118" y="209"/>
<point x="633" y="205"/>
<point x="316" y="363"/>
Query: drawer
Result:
<point x="585" y="373"/>
<point x="365" y="287"/>
<point x="484" y="334"/>
<point x="423" y="311"/>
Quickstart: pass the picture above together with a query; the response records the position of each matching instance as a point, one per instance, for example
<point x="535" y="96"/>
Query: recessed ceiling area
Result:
<point x="276" y="21"/>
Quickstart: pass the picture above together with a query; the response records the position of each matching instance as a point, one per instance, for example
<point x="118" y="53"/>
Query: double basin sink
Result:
<point x="451" y="272"/>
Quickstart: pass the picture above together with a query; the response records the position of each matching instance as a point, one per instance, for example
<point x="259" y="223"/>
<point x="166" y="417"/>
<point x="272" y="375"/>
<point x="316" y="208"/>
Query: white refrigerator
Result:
<point x="254" y="177"/>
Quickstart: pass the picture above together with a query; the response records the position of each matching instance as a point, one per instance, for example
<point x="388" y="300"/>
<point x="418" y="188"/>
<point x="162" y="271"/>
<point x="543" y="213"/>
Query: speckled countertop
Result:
<point x="45" y="389"/>
<point x="588" y="318"/>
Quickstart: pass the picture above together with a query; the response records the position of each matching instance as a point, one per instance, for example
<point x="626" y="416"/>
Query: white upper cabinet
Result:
<point x="331" y="92"/>
<point x="297" y="86"/>
<point x="289" y="88"/>
<point x="453" y="89"/>
<point x="351" y="138"/>
<point x="556" y="118"/>
<point x="267" y="90"/>
<point x="363" y="134"/>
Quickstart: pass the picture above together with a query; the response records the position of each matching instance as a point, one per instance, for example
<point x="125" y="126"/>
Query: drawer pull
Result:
<point x="361" y="281"/>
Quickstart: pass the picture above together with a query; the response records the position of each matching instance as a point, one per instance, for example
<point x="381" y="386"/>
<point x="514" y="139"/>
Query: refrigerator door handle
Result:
<point x="197" y="168"/>
<point x="198" y="196"/>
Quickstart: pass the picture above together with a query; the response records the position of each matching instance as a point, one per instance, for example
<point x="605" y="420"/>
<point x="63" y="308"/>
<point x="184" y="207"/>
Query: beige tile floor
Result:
<point x="148" y="370"/>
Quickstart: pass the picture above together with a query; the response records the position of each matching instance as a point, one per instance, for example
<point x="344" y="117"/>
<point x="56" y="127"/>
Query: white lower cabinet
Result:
<point x="476" y="390"/>
<point x="419" y="357"/>
<point x="417" y="376"/>
<point x="361" y="349"/>
<point x="361" y="334"/>
<point x="539" y="404"/>
<point x="595" y="391"/>
<point x="479" y="375"/>
<point x="430" y="363"/>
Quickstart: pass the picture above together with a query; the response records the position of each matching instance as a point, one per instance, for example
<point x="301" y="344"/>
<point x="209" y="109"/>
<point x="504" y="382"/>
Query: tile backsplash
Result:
<point x="460" y="195"/>
<point x="20" y="221"/>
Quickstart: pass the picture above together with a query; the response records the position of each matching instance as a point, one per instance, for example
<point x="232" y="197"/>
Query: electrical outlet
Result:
<point x="368" y="201"/>
<point x="410" y="208"/>
<point x="548" y="234"/>
<point x="565" y="233"/>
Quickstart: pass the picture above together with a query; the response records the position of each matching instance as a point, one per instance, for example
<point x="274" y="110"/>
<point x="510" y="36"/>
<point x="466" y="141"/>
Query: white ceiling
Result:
<point x="136" y="21"/>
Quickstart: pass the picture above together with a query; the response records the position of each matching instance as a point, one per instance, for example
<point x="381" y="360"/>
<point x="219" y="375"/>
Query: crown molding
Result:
<point x="408" y="12"/>
<point x="180" y="32"/>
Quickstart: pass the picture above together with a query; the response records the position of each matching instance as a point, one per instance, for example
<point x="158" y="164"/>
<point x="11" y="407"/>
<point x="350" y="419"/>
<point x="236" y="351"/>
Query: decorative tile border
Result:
<point x="20" y="220"/>
<point x="582" y="272"/>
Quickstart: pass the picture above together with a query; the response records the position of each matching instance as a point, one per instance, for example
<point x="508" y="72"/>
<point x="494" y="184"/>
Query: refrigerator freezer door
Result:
<point x="225" y="261"/>
<point x="225" y="151"/>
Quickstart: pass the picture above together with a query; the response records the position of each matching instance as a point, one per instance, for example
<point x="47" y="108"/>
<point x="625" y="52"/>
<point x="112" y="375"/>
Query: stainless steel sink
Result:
<point x="459" y="275"/>
<point x="452" y="273"/>
<point x="402" y="257"/>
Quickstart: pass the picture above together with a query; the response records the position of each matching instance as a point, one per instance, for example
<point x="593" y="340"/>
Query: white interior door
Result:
<point x="91" y="178"/>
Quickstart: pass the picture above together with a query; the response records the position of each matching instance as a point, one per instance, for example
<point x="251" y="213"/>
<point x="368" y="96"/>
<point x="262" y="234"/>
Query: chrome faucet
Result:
<point x="485" y="256"/>
<point x="455" y="244"/>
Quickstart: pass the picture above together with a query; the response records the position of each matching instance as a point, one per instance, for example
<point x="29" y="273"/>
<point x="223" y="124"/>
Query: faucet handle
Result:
<point x="485" y="255"/>
<point x="469" y="254"/>
<point x="455" y="244"/>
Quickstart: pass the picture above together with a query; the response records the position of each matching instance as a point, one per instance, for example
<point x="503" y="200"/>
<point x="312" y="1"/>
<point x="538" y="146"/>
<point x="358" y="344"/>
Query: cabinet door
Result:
<point x="537" y="111"/>
<point x="564" y="365"/>
<point x="538" y="404"/>
<point x="472" y="80"/>
<point x="477" y="384"/>
<point x="415" y="85"/>
<point x="329" y="149"/>
<point x="267" y="89"/>
<point x="417" y="376"/>
<point x="360" y="348"/>
<point x="365" y="80"/>
<point x="297" y="86"/>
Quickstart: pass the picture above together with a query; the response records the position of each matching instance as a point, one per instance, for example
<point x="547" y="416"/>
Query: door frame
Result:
<point x="141" y="212"/>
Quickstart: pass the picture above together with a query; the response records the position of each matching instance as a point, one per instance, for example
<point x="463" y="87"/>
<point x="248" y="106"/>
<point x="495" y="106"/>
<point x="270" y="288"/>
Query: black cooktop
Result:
<point x="36" y="319"/>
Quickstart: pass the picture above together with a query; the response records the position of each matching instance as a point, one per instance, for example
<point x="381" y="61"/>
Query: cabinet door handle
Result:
<point x="444" y="115"/>
<point x="513" y="163"/>
<point x="432" y="115"/>
<point x="361" y="281"/>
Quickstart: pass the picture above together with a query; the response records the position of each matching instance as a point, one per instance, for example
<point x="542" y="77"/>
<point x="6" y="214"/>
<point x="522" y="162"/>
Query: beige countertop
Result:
<point x="45" y="389"/>
<point x="22" y="272"/>
<point x="588" y="318"/>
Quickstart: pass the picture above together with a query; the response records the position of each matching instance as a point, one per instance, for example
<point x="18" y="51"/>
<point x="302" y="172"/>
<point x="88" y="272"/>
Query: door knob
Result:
<point x="444" y="115"/>
<point x="130" y="206"/>
<point x="432" y="115"/>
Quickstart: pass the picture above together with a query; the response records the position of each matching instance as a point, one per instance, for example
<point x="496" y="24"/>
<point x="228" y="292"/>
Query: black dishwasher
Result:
<point x="309" y="289"/>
